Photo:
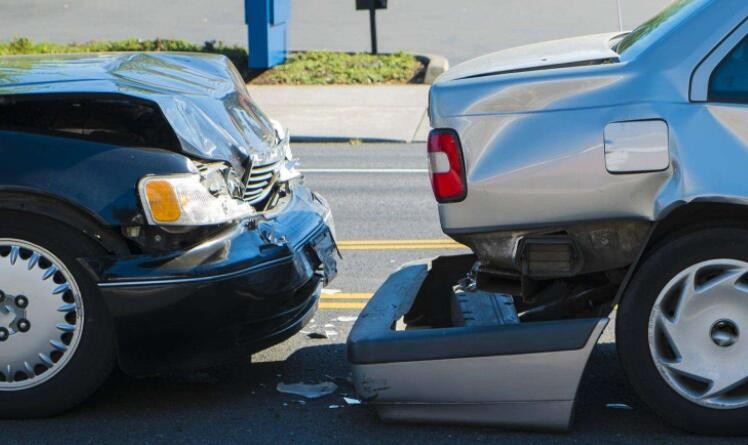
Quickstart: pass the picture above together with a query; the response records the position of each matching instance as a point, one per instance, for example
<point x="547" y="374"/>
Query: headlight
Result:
<point x="192" y="199"/>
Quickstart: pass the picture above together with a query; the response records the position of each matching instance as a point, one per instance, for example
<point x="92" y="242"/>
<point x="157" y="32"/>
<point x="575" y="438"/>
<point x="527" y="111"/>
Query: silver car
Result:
<point x="611" y="170"/>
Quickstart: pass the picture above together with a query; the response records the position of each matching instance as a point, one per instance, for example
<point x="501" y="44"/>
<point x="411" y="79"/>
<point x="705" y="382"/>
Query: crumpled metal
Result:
<point x="201" y="95"/>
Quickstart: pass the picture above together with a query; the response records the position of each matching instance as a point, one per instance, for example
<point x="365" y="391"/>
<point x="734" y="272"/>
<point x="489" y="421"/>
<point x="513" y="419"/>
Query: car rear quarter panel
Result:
<point x="536" y="169"/>
<point x="546" y="163"/>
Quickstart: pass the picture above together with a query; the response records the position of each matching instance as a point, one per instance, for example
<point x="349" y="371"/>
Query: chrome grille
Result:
<point x="260" y="182"/>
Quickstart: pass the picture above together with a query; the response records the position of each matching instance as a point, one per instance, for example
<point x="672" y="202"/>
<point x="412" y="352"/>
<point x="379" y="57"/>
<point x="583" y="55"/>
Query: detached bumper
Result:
<point x="511" y="374"/>
<point x="237" y="293"/>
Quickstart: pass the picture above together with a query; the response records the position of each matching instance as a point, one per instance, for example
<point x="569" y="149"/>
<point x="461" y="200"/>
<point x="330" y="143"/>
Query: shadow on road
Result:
<point x="238" y="403"/>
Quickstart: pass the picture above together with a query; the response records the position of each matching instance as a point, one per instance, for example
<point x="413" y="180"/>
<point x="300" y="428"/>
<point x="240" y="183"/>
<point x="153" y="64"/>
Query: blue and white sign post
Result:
<point x="267" y="22"/>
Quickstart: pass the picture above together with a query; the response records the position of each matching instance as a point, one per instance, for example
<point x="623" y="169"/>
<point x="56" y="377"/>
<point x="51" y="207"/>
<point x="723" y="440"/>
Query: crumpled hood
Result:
<point x="201" y="95"/>
<point x="553" y="54"/>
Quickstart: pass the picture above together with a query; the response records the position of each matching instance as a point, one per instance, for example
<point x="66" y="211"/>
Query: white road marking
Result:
<point x="364" y="170"/>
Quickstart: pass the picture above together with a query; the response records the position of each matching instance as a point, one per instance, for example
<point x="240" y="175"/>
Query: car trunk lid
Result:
<point x="577" y="51"/>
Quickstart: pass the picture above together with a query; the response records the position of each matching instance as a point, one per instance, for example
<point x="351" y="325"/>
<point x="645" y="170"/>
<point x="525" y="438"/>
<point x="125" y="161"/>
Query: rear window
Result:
<point x="663" y="21"/>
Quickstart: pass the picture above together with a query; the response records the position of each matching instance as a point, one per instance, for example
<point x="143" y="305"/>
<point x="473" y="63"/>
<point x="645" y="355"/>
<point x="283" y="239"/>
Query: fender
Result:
<point x="682" y="219"/>
<point x="58" y="209"/>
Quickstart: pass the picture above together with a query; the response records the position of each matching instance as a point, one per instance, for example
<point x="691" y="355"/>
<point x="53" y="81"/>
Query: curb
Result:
<point x="436" y="65"/>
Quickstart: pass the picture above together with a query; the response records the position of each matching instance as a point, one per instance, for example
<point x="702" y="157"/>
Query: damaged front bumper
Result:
<point x="239" y="292"/>
<point x="421" y="353"/>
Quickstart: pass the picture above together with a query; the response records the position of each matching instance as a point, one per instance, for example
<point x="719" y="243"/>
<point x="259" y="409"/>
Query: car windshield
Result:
<point x="671" y="14"/>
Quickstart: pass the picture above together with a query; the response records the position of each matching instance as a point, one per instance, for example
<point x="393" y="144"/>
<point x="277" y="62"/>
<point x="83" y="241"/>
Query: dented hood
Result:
<point x="585" y="50"/>
<point x="201" y="95"/>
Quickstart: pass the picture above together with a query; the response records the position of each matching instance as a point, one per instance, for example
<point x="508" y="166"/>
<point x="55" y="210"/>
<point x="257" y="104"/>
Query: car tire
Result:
<point x="659" y="330"/>
<point x="40" y="378"/>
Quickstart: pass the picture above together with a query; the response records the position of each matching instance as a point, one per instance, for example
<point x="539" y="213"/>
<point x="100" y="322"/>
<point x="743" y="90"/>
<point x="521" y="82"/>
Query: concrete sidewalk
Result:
<point x="394" y="113"/>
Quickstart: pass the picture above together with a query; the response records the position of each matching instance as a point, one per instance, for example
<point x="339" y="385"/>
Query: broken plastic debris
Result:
<point x="618" y="406"/>
<point x="334" y="406"/>
<point x="309" y="391"/>
<point x="340" y="380"/>
<point x="330" y="333"/>
<point x="351" y="401"/>
<point x="346" y="319"/>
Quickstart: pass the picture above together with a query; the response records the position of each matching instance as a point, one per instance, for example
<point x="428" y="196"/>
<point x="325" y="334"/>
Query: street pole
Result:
<point x="373" y="26"/>
<point x="620" y="16"/>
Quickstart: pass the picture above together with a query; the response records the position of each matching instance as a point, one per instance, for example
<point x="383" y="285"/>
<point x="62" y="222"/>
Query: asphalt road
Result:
<point x="240" y="404"/>
<point x="456" y="29"/>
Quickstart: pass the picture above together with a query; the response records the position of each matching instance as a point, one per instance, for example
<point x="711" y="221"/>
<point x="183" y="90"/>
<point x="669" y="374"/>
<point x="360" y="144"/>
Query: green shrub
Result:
<point x="327" y="68"/>
<point x="23" y="45"/>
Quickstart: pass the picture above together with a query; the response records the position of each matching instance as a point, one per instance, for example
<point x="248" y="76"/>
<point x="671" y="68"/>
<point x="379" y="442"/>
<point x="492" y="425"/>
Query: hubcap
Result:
<point x="694" y="333"/>
<point x="41" y="315"/>
<point x="724" y="333"/>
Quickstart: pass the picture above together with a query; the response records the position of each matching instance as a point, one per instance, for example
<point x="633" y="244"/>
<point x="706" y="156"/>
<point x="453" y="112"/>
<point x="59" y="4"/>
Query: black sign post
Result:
<point x="372" y="6"/>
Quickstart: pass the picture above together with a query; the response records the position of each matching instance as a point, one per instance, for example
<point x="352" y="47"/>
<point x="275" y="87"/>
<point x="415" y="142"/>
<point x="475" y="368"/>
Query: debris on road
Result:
<point x="309" y="391"/>
<point x="351" y="401"/>
<point x="315" y="333"/>
<point x="346" y="319"/>
<point x="622" y="406"/>
<point x="344" y="381"/>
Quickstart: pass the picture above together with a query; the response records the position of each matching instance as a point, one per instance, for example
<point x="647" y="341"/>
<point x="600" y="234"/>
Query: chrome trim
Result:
<point x="260" y="181"/>
<point x="195" y="279"/>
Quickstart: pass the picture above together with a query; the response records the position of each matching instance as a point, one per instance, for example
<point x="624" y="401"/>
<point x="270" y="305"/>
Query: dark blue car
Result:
<point x="151" y="217"/>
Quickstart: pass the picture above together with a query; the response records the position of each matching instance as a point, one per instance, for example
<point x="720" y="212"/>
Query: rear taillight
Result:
<point x="446" y="166"/>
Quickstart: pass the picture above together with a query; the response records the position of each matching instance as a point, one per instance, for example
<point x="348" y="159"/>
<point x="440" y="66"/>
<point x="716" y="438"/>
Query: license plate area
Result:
<point x="323" y="250"/>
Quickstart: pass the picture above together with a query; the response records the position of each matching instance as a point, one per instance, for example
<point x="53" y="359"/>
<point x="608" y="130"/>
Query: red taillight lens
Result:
<point x="446" y="166"/>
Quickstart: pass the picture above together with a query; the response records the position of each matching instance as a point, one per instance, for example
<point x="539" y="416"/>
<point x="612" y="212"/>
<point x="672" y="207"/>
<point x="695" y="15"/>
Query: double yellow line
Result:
<point x="357" y="300"/>
<point x="344" y="300"/>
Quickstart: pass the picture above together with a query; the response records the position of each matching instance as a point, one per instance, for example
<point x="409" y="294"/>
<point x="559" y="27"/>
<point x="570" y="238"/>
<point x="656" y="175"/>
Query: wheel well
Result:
<point x="65" y="213"/>
<point x="697" y="216"/>
<point x="686" y="219"/>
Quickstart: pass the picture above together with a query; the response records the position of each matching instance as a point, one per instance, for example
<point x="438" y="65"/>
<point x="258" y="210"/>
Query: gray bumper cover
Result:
<point x="519" y="376"/>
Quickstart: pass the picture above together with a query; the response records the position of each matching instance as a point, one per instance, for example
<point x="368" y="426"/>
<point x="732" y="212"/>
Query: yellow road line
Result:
<point x="347" y="296"/>
<point x="341" y="305"/>
<point x="399" y="244"/>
